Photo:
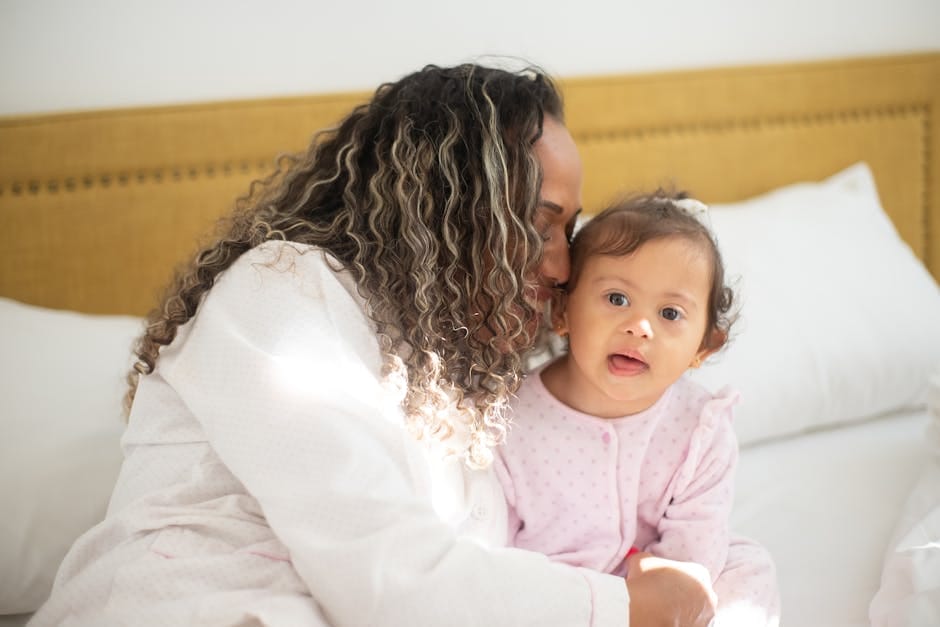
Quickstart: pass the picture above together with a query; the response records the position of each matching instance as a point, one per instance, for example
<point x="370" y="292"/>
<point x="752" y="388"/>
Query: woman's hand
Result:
<point x="667" y="593"/>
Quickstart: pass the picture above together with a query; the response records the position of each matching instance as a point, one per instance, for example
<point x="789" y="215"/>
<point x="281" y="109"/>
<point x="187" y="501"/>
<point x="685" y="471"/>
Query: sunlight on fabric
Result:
<point x="448" y="502"/>
<point x="311" y="376"/>
<point x="745" y="614"/>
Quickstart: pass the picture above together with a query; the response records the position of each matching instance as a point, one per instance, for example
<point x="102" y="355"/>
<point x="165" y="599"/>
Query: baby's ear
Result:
<point x="559" y="313"/>
<point x="710" y="345"/>
<point x="716" y="339"/>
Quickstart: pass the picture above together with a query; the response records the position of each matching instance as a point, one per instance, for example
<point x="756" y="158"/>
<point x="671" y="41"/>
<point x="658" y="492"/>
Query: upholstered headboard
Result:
<point x="98" y="207"/>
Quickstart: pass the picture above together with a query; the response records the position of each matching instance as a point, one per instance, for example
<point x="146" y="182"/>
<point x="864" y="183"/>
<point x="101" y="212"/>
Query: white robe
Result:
<point x="268" y="480"/>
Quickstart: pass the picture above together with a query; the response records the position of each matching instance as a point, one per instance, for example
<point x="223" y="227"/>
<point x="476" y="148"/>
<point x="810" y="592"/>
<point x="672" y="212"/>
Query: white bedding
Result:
<point x="825" y="505"/>
<point x="910" y="580"/>
<point x="910" y="583"/>
<point x="833" y="506"/>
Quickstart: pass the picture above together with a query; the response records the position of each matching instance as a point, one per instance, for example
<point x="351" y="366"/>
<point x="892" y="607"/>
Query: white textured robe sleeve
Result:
<point x="280" y="367"/>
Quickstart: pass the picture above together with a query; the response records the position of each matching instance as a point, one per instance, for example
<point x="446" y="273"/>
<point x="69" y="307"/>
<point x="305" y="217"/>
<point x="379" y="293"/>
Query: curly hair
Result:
<point x="623" y="227"/>
<point x="426" y="194"/>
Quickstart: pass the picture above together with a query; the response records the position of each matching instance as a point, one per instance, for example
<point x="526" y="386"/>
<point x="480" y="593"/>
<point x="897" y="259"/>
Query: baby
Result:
<point x="613" y="449"/>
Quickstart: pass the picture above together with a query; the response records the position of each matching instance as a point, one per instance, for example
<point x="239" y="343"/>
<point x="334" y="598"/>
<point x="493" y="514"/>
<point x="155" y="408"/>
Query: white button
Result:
<point x="479" y="512"/>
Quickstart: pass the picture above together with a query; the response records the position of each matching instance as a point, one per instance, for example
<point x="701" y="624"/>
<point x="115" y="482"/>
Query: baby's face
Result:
<point x="636" y="323"/>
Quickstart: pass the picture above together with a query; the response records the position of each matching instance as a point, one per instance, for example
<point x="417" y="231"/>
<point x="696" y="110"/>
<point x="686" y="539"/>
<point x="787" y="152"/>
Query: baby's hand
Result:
<point x="666" y="592"/>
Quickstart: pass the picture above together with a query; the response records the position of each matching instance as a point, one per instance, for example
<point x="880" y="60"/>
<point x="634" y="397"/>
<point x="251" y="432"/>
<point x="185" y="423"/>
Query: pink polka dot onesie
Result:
<point x="584" y="490"/>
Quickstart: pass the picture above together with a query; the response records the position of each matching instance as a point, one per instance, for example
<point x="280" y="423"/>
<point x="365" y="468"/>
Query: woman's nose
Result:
<point x="556" y="262"/>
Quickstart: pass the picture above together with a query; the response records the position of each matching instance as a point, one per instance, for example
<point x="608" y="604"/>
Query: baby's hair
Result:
<point x="623" y="227"/>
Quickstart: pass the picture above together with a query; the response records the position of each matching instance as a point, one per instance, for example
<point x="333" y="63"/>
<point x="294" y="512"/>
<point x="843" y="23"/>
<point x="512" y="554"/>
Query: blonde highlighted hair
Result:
<point x="426" y="195"/>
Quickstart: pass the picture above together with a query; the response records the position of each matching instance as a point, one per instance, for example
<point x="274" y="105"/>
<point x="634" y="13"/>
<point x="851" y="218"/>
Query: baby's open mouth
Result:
<point x="626" y="364"/>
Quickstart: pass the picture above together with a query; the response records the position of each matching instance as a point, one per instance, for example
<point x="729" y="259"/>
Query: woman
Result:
<point x="310" y="431"/>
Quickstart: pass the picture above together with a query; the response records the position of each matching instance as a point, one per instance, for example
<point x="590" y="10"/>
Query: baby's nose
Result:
<point x="639" y="326"/>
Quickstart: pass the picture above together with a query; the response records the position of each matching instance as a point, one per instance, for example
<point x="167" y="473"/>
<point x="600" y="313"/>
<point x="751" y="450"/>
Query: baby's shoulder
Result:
<point x="534" y="412"/>
<point x="530" y="400"/>
<point x="698" y="405"/>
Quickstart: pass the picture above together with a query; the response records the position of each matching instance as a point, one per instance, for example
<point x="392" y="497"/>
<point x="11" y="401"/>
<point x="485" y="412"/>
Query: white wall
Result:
<point x="76" y="54"/>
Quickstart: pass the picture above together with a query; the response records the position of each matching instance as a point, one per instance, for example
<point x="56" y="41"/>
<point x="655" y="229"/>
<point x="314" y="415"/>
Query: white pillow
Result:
<point x="839" y="320"/>
<point x="61" y="386"/>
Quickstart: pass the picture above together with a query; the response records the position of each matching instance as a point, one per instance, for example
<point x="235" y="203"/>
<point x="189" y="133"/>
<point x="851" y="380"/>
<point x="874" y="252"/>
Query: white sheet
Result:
<point x="825" y="505"/>
<point x="910" y="585"/>
<point x="910" y="582"/>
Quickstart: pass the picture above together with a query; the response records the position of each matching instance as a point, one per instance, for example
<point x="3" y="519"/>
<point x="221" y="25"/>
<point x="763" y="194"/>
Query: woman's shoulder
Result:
<point x="289" y="257"/>
<point x="287" y="300"/>
<point x="280" y="290"/>
<point x="276" y="266"/>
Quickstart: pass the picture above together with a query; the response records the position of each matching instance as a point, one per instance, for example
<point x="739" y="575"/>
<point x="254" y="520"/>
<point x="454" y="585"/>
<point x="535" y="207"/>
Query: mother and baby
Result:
<point x="331" y="422"/>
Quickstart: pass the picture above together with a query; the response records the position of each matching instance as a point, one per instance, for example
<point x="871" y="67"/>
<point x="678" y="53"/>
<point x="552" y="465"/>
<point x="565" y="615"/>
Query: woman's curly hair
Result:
<point x="426" y="194"/>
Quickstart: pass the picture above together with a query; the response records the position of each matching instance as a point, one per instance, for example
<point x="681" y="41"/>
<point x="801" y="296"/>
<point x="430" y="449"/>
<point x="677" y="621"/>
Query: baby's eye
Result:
<point x="671" y="313"/>
<point x="618" y="300"/>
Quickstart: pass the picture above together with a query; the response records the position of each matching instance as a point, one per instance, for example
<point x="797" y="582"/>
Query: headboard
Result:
<point x="98" y="207"/>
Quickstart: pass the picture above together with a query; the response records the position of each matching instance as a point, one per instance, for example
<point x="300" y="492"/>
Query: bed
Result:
<point x="824" y="182"/>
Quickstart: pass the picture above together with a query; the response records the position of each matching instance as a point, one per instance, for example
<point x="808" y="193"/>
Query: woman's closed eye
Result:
<point x="570" y="226"/>
<point x="549" y="224"/>
<point x="545" y="230"/>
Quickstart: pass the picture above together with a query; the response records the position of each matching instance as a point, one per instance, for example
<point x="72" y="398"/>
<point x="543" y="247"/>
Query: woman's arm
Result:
<point x="281" y="368"/>
<point x="666" y="593"/>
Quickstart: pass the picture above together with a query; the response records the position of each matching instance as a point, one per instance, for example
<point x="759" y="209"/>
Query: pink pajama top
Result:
<point x="584" y="490"/>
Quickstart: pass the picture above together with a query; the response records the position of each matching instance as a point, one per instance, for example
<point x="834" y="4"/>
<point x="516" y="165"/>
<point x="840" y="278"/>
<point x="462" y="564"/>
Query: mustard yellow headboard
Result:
<point x="97" y="208"/>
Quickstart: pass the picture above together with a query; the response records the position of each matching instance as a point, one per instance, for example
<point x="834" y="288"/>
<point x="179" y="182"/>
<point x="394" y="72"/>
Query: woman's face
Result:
<point x="558" y="209"/>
